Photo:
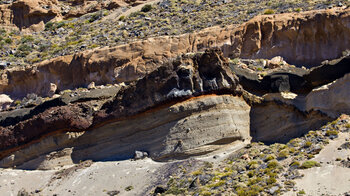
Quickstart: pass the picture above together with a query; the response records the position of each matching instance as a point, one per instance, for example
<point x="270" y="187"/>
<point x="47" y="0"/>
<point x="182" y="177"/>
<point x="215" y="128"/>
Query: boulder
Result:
<point x="5" y="101"/>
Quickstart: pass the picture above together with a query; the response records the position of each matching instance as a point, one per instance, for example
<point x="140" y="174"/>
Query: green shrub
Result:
<point x="269" y="158"/>
<point x="283" y="154"/>
<point x="8" y="40"/>
<point x="271" y="180"/>
<point x="27" y="38"/>
<point x="308" y="144"/>
<point x="146" y="8"/>
<point x="217" y="184"/>
<point x="122" y="18"/>
<point x="60" y="24"/>
<point x="48" y="26"/>
<point x="331" y="132"/>
<point x="134" y="14"/>
<point x="309" y="164"/>
<point x="269" y="11"/>
<point x="94" y="17"/>
<point x="24" y="47"/>
<point x="273" y="164"/>
<point x="295" y="163"/>
<point x="129" y="188"/>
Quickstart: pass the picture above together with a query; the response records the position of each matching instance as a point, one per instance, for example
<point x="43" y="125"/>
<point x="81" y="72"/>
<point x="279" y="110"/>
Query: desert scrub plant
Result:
<point x="271" y="180"/>
<point x="216" y="184"/>
<point x="48" y="26"/>
<point x="175" y="190"/>
<point x="273" y="164"/>
<point x="295" y="164"/>
<point x="249" y="191"/>
<point x="146" y="8"/>
<point x="129" y="188"/>
<point x="309" y="164"/>
<point x="331" y="132"/>
<point x="269" y="11"/>
<point x="94" y="17"/>
<point x="8" y="40"/>
<point x="26" y="39"/>
<point x="197" y="172"/>
<point x="270" y="157"/>
<point x="283" y="154"/>
<point x="307" y="144"/>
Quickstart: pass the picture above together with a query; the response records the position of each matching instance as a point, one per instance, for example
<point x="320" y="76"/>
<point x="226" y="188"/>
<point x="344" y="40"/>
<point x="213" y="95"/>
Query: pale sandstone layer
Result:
<point x="197" y="126"/>
<point x="277" y="122"/>
<point x="301" y="38"/>
<point x="332" y="99"/>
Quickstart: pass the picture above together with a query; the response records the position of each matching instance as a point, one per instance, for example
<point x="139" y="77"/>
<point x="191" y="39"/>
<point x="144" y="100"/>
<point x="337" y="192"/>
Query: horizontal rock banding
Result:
<point x="295" y="37"/>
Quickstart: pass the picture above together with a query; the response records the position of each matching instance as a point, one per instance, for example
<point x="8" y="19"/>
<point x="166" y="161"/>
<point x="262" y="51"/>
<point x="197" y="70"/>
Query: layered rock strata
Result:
<point x="291" y="79"/>
<point x="190" y="105"/>
<point x="273" y="121"/>
<point x="153" y="108"/>
<point x="304" y="39"/>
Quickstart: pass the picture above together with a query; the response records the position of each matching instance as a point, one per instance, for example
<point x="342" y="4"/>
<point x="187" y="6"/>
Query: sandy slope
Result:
<point x="98" y="179"/>
<point x="331" y="178"/>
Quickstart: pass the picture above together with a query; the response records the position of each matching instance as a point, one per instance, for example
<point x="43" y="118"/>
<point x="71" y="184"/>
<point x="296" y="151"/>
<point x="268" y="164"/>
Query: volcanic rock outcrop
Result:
<point x="157" y="108"/>
<point x="292" y="79"/>
<point x="304" y="39"/>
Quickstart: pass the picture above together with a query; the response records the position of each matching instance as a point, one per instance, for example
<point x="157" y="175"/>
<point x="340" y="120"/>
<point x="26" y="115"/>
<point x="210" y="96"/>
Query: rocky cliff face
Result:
<point x="154" y="108"/>
<point x="31" y="15"/>
<point x="175" y="97"/>
<point x="190" y="105"/>
<point x="303" y="39"/>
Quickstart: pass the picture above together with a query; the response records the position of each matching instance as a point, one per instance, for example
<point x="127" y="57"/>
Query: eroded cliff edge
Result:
<point x="304" y="39"/>
<point x="190" y="105"/>
<point x="186" y="102"/>
<point x="153" y="108"/>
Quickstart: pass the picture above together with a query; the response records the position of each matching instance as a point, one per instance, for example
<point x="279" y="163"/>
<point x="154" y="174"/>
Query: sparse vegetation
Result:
<point x="129" y="188"/>
<point x="269" y="11"/>
<point x="309" y="164"/>
<point x="256" y="169"/>
<point x="171" y="17"/>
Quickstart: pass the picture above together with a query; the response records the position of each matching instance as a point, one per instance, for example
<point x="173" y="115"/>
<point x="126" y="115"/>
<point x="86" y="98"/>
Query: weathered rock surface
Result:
<point x="291" y="79"/>
<point x="332" y="99"/>
<point x="197" y="126"/>
<point x="277" y="122"/>
<point x="303" y="39"/>
<point x="150" y="108"/>
<point x="31" y="15"/>
<point x="5" y="101"/>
